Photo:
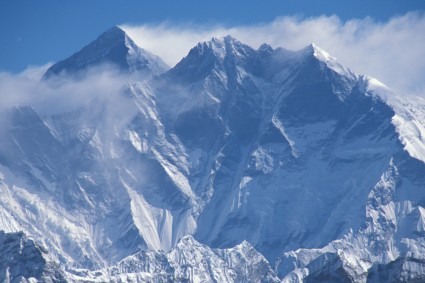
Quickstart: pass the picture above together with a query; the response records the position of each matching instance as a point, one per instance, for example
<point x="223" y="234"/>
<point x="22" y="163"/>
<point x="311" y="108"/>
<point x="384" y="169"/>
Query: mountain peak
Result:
<point x="114" y="47"/>
<point x="223" y="46"/>
<point x="226" y="40"/>
<point x="214" y="56"/>
<point x="313" y="50"/>
<point x="321" y="54"/>
<point x="114" y="30"/>
<point x="265" y="48"/>
<point x="115" y="33"/>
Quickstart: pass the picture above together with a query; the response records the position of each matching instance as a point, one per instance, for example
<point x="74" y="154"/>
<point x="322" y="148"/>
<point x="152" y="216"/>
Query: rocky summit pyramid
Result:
<point x="113" y="47"/>
<point x="236" y="165"/>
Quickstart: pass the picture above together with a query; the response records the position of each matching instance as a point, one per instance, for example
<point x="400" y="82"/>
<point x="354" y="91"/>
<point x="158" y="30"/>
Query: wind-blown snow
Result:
<point x="408" y="118"/>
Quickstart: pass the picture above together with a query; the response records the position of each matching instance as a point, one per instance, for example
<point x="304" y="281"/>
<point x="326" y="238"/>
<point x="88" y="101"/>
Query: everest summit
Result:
<point x="113" y="47"/>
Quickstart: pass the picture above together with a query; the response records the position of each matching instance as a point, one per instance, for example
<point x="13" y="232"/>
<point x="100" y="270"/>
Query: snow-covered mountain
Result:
<point x="236" y="165"/>
<point x="189" y="261"/>
<point x="113" y="47"/>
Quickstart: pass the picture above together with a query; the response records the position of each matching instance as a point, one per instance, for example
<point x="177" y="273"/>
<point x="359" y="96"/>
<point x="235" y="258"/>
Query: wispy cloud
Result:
<point x="391" y="51"/>
<point x="61" y="94"/>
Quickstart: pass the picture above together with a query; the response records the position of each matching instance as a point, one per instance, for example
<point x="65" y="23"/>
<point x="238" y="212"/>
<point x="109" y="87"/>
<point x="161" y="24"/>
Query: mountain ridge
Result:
<point x="288" y="151"/>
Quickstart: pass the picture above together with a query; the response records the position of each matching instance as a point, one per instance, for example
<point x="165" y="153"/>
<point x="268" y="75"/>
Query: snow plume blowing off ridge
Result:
<point x="391" y="51"/>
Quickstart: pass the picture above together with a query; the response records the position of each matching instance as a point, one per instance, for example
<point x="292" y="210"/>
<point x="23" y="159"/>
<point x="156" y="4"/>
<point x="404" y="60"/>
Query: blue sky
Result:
<point x="36" y="32"/>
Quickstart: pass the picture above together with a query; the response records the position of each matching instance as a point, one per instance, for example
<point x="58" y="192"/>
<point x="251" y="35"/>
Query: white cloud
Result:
<point x="62" y="93"/>
<point x="391" y="51"/>
<point x="35" y="72"/>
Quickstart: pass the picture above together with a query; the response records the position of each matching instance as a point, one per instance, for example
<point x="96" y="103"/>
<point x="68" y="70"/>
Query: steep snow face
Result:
<point x="325" y="57"/>
<point x="269" y="147"/>
<point x="94" y="185"/>
<point x="315" y="167"/>
<point x="112" y="47"/>
<point x="308" y="158"/>
<point x="388" y="249"/>
<point x="409" y="118"/>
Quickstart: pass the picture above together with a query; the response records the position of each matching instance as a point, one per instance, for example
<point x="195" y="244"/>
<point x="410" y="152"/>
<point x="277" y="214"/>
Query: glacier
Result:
<point x="235" y="165"/>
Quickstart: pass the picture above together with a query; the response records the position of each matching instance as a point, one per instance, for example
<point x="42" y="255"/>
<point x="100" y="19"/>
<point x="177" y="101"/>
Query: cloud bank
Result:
<point x="391" y="51"/>
<point x="61" y="94"/>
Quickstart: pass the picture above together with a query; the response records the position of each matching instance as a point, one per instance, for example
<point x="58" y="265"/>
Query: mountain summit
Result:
<point x="214" y="57"/>
<point x="236" y="157"/>
<point x="112" y="47"/>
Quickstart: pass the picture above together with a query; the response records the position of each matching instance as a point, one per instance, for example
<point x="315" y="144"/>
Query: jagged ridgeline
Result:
<point x="235" y="165"/>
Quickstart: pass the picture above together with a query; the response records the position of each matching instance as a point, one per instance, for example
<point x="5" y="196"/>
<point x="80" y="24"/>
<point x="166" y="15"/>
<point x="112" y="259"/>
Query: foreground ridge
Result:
<point x="189" y="261"/>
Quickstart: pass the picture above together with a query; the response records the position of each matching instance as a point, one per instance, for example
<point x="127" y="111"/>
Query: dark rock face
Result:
<point x="22" y="259"/>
